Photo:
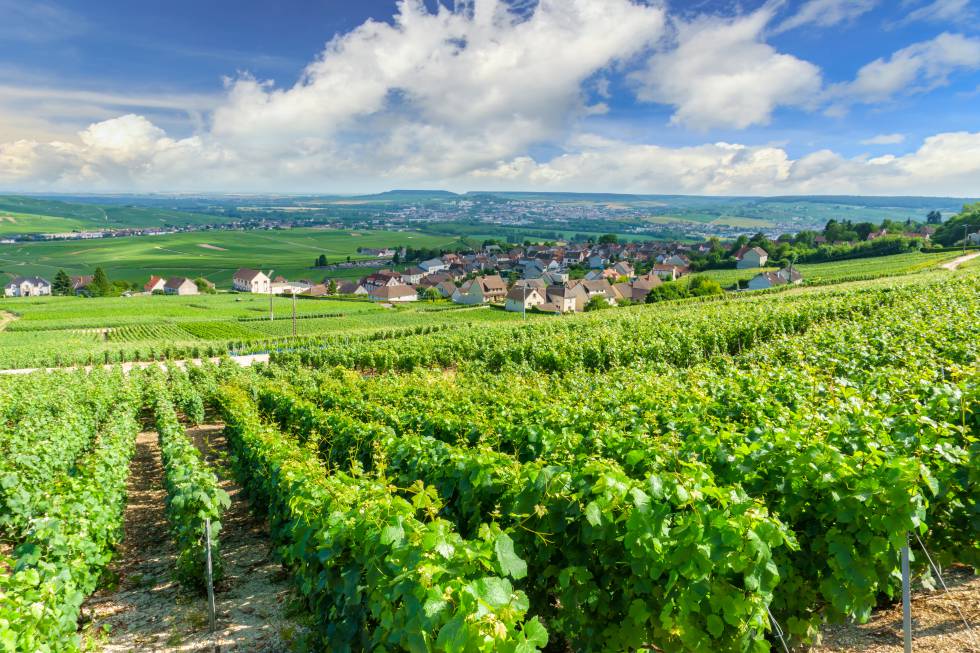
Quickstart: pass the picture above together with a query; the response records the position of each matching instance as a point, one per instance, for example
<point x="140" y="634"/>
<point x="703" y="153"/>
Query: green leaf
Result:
<point x="593" y="514"/>
<point x="715" y="625"/>
<point x="510" y="563"/>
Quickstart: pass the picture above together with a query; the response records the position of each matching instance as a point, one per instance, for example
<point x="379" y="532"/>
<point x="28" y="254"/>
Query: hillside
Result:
<point x="23" y="215"/>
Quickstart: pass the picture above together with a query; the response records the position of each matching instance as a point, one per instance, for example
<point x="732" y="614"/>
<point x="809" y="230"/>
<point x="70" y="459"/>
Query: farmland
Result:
<point x="214" y="255"/>
<point x="50" y="331"/>
<point x="597" y="483"/>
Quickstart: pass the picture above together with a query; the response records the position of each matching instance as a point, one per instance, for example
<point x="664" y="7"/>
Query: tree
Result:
<point x="699" y="286"/>
<point x="430" y="294"/>
<point x="396" y="259"/>
<point x="596" y="303"/>
<point x="321" y="261"/>
<point x="332" y="287"/>
<point x="934" y="217"/>
<point x="204" y="286"/>
<point x="62" y="284"/>
<point x="100" y="286"/>
<point x="608" y="239"/>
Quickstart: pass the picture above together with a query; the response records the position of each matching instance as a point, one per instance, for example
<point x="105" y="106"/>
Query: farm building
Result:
<point x="773" y="279"/>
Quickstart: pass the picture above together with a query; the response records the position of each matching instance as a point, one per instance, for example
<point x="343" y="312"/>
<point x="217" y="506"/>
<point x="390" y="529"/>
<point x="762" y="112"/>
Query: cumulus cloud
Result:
<point x="917" y="68"/>
<point x="884" y="139"/>
<point x="459" y="98"/>
<point x="945" y="164"/>
<point x="826" y="13"/>
<point x="719" y="72"/>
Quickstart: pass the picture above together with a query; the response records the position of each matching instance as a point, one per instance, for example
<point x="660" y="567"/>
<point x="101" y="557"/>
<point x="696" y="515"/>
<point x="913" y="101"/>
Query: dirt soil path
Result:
<point x="936" y="626"/>
<point x="150" y="612"/>
<point x="957" y="262"/>
<point x="5" y="319"/>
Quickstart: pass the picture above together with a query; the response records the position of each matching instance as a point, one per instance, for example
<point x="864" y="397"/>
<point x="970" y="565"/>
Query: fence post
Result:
<point x="906" y="597"/>
<point x="210" y="579"/>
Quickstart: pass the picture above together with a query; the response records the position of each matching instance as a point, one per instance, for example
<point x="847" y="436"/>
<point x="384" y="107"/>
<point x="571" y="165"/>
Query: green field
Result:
<point x="39" y="215"/>
<point x="836" y="271"/>
<point x="214" y="255"/>
<point x="47" y="331"/>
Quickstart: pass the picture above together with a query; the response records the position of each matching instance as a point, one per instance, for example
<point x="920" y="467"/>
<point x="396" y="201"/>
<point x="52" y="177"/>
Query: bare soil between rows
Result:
<point x="936" y="624"/>
<point x="148" y="611"/>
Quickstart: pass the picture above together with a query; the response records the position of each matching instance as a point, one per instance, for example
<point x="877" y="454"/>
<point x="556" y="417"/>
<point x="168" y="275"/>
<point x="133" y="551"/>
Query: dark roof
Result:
<point x="247" y="274"/>
<point x="36" y="281"/>
<point x="176" y="282"/>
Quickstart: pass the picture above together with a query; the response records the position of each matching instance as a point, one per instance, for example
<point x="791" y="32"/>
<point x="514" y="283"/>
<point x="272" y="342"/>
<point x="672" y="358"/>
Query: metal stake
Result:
<point x="906" y="597"/>
<point x="207" y="549"/>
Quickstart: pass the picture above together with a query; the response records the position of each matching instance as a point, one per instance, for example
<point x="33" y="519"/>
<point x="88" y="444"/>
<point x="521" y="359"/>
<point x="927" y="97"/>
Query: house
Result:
<point x="180" y="286"/>
<point x="522" y="299"/>
<point x="351" y="288"/>
<point x="667" y="272"/>
<point x="647" y="282"/>
<point x="247" y="280"/>
<point x="155" y="284"/>
<point x="433" y="265"/>
<point x="786" y="276"/>
<point x="564" y="299"/>
<point x="974" y="238"/>
<point x="875" y="235"/>
<point x="481" y="290"/>
<point x="27" y="287"/>
<point x="382" y="278"/>
<point x="317" y="290"/>
<point x="399" y="293"/>
<point x="754" y="257"/>
<point x="445" y="288"/>
<point x="597" y="262"/>
<point x="80" y="283"/>
<point x="623" y="269"/>
<point x="284" y="287"/>
<point x="678" y="260"/>
<point x="599" y="288"/>
<point x="413" y="275"/>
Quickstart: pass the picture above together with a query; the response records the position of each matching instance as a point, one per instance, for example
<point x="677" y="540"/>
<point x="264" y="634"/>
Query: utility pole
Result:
<point x="294" y="312"/>
<point x="964" y="238"/>
<point x="524" y="305"/>
<point x="272" y="315"/>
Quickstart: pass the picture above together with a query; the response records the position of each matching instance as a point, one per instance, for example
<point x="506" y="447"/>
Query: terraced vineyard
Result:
<point x="679" y="477"/>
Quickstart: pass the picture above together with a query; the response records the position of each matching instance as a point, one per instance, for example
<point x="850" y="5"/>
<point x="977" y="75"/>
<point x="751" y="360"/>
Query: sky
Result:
<point x="759" y="97"/>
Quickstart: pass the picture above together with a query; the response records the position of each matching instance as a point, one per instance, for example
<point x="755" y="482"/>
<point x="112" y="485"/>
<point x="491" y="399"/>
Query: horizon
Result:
<point x="764" y="98"/>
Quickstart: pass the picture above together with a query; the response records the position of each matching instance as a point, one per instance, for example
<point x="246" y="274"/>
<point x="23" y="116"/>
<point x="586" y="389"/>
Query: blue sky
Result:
<point x="714" y="97"/>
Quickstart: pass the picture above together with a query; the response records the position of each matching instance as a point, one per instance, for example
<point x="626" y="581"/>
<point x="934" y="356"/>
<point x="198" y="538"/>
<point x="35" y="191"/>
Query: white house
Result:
<point x="399" y="293"/>
<point x="768" y="280"/>
<point x="433" y="265"/>
<point x="180" y="286"/>
<point x="154" y="284"/>
<point x="246" y="280"/>
<point x="974" y="238"/>
<point x="563" y="298"/>
<point x="754" y="257"/>
<point x="27" y="287"/>
<point x="520" y="299"/>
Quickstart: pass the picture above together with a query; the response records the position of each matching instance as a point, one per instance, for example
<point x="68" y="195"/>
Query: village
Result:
<point x="552" y="278"/>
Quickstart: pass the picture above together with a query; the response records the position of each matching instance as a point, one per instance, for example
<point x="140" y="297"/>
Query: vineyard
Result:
<point x="724" y="475"/>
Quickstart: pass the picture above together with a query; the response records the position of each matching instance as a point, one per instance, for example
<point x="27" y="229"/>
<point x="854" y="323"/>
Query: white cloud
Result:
<point x="941" y="11"/>
<point x="720" y="73"/>
<point x="946" y="164"/>
<point x="884" y="139"/>
<point x="917" y="68"/>
<point x="826" y="13"/>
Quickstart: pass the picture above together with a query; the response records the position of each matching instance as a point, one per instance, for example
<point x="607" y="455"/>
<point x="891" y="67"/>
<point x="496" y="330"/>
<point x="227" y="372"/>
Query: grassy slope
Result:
<point x="289" y="252"/>
<point x="36" y="215"/>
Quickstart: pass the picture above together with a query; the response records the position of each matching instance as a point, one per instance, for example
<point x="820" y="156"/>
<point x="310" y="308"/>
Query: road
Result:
<point x="244" y="360"/>
<point x="957" y="262"/>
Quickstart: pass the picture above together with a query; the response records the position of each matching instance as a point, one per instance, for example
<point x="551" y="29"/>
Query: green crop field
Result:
<point x="40" y="215"/>
<point x="710" y="468"/>
<point x="853" y="269"/>
<point x="214" y="255"/>
<point x="47" y="331"/>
